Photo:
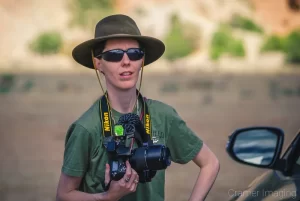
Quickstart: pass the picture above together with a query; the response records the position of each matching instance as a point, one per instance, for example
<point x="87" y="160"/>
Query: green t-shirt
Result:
<point x="86" y="157"/>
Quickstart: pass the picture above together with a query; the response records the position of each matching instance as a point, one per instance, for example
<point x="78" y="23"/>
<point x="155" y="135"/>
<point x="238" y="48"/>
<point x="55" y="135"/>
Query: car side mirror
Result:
<point x="256" y="146"/>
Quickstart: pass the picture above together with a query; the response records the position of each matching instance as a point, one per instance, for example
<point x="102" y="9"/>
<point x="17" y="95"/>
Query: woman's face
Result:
<point x="122" y="75"/>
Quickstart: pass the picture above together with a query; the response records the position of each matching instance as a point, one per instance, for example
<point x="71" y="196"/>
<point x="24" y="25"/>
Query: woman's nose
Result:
<point x="125" y="59"/>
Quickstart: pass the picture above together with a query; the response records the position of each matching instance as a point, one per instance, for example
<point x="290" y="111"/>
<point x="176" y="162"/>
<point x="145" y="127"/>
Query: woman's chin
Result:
<point x="127" y="85"/>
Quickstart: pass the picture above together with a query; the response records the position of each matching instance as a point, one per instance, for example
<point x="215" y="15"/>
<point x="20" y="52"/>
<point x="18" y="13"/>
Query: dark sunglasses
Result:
<point x="116" y="55"/>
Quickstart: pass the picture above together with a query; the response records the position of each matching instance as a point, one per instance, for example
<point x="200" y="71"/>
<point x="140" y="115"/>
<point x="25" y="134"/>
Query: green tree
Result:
<point x="223" y="42"/>
<point x="49" y="42"/>
<point x="292" y="47"/>
<point x="179" y="41"/>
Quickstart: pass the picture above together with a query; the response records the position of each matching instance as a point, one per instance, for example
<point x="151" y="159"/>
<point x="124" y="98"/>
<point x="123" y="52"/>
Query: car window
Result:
<point x="292" y="145"/>
<point x="296" y="169"/>
<point x="296" y="166"/>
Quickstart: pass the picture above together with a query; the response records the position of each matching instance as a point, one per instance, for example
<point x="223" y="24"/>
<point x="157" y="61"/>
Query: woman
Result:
<point x="120" y="52"/>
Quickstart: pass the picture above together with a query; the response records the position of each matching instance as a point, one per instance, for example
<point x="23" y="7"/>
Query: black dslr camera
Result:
<point x="146" y="159"/>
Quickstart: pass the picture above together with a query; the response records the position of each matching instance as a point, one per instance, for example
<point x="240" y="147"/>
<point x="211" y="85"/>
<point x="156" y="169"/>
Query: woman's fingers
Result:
<point x="134" y="176"/>
<point x="107" y="174"/>
<point x="134" y="181"/>
<point x="128" y="173"/>
<point x="131" y="178"/>
<point x="133" y="187"/>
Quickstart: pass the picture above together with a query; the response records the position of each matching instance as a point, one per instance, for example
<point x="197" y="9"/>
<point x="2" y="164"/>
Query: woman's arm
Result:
<point x="67" y="191"/>
<point x="67" y="187"/>
<point x="209" y="169"/>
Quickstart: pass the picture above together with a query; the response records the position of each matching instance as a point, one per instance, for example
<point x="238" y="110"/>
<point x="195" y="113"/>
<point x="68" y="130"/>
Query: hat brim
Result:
<point x="154" y="48"/>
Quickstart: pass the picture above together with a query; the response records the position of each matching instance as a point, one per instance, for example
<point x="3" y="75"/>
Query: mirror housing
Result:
<point x="256" y="146"/>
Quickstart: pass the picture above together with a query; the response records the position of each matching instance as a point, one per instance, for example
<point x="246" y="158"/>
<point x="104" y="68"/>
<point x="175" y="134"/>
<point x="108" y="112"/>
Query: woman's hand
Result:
<point x="124" y="186"/>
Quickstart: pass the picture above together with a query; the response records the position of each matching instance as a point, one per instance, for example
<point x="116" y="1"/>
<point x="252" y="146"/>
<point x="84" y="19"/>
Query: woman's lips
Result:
<point x="126" y="75"/>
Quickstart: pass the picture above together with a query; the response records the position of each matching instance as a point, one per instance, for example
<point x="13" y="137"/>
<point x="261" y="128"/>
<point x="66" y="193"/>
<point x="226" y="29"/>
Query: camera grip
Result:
<point x="117" y="169"/>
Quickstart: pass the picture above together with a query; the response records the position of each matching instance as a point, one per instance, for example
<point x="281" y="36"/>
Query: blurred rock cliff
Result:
<point x="23" y="21"/>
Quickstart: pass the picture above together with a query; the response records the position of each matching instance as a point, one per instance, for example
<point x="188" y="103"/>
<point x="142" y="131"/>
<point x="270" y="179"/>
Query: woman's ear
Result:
<point x="98" y="65"/>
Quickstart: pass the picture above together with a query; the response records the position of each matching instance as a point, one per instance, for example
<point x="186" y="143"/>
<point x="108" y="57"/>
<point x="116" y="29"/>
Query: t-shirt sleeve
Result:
<point x="77" y="151"/>
<point x="183" y="143"/>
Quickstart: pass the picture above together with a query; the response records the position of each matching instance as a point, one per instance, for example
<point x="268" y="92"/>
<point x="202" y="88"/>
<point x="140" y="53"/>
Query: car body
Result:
<point x="261" y="147"/>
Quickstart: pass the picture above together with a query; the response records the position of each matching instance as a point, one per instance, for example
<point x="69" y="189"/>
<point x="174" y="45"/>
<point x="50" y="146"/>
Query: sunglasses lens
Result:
<point x="113" y="55"/>
<point x="135" y="54"/>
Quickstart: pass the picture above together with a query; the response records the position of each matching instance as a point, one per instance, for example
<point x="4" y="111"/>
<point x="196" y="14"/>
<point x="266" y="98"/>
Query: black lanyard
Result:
<point x="107" y="126"/>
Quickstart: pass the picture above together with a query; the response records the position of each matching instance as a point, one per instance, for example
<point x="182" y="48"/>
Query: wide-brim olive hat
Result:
<point x="117" y="26"/>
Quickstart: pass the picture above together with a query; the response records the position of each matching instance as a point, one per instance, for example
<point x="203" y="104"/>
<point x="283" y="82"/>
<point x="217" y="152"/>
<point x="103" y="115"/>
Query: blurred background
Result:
<point x="227" y="65"/>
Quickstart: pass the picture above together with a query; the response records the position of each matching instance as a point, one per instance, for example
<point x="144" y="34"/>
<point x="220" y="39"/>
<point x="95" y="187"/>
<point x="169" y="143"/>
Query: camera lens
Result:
<point x="155" y="157"/>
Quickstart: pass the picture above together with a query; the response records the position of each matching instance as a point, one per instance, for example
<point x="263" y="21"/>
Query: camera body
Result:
<point x="145" y="159"/>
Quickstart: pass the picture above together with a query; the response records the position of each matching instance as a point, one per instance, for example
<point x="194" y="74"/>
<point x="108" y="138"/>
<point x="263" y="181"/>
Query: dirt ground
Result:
<point x="36" y="113"/>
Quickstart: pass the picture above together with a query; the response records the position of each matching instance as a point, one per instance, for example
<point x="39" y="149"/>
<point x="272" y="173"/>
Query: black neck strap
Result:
<point x="106" y="119"/>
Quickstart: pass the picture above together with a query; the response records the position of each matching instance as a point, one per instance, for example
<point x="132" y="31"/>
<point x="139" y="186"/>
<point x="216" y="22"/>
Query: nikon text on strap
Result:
<point x="106" y="119"/>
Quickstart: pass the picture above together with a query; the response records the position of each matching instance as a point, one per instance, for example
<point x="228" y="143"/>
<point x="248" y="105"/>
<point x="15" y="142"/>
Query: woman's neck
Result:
<point x="122" y="101"/>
